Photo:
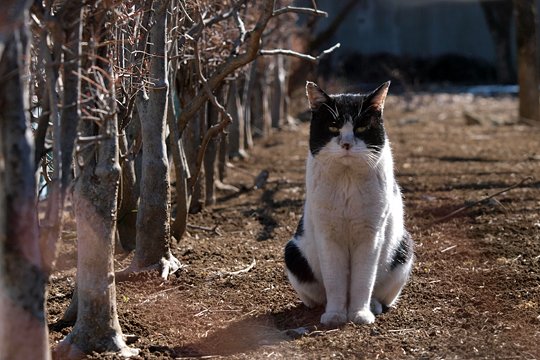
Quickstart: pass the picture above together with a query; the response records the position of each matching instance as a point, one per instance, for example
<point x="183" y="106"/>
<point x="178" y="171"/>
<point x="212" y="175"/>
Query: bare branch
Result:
<point x="253" y="38"/>
<point x="214" y="129"/>
<point x="240" y="25"/>
<point x="299" y="10"/>
<point x="483" y="200"/>
<point x="226" y="15"/>
<point x="300" y="55"/>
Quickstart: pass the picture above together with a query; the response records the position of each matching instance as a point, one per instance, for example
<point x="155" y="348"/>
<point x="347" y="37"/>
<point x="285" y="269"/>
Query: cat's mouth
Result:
<point x="344" y="154"/>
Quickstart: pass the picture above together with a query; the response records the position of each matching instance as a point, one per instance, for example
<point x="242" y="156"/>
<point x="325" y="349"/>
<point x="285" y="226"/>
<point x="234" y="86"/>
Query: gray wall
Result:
<point x="417" y="28"/>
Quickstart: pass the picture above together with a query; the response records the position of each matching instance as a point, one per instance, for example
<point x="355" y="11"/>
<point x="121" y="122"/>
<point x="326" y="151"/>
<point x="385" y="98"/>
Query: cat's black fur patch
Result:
<point x="403" y="252"/>
<point x="347" y="106"/>
<point x="297" y="263"/>
<point x="300" y="228"/>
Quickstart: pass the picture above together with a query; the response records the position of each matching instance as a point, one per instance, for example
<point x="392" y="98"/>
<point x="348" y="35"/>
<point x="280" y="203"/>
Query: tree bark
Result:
<point x="236" y="129"/>
<point x="64" y="125"/>
<point x="277" y="94"/>
<point x="23" y="330"/>
<point x="153" y="217"/>
<point x="191" y="139"/>
<point x="267" y="113"/>
<point x="498" y="14"/>
<point x="181" y="170"/>
<point x="246" y="102"/>
<point x="211" y="152"/>
<point x="525" y="15"/>
<point x="95" y="199"/>
<point x="223" y="156"/>
<point x="95" y="203"/>
<point x="129" y="194"/>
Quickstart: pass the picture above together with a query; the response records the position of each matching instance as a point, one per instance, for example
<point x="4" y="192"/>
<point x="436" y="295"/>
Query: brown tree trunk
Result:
<point x="198" y="192"/>
<point x="182" y="94"/>
<point x="181" y="170"/>
<point x="498" y="14"/>
<point x="267" y="113"/>
<point x="95" y="204"/>
<point x="129" y="193"/>
<point x="191" y="141"/>
<point x="277" y="94"/>
<point x="246" y="102"/>
<point x="256" y="106"/>
<point x="223" y="156"/>
<point x="23" y="330"/>
<point x="153" y="217"/>
<point x="210" y="156"/>
<point x="236" y="129"/>
<point x="64" y="125"/>
<point x="95" y="200"/>
<point x="525" y="14"/>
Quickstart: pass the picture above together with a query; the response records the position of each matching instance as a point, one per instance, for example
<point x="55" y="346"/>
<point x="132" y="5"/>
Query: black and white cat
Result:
<point x="351" y="251"/>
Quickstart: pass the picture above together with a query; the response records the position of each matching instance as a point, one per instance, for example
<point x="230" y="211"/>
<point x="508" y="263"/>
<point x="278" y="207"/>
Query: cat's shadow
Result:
<point x="250" y="333"/>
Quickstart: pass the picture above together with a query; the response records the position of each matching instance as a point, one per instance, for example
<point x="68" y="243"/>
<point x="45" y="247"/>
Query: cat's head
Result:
<point x="347" y="127"/>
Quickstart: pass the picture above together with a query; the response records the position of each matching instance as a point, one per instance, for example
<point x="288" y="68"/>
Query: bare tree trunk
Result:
<point x="498" y="14"/>
<point x="191" y="139"/>
<point x="181" y="169"/>
<point x="236" y="129"/>
<point x="266" y="98"/>
<point x="223" y="155"/>
<point x="95" y="200"/>
<point x="153" y="217"/>
<point x="525" y="14"/>
<point x="256" y="106"/>
<point x="64" y="124"/>
<point x="278" y="93"/>
<point x="285" y="91"/>
<point x="210" y="156"/>
<point x="23" y="330"/>
<point x="246" y="102"/>
<point x="128" y="199"/>
<point x="95" y="203"/>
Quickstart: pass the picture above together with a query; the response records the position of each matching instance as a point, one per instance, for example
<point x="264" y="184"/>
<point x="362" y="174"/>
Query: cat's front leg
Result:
<point x="335" y="274"/>
<point x="364" y="260"/>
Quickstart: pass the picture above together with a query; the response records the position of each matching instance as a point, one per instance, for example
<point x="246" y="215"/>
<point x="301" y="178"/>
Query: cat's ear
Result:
<point x="378" y="96"/>
<point x="315" y="95"/>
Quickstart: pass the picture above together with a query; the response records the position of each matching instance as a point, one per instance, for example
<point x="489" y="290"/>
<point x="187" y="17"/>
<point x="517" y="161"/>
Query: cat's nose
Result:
<point x="346" y="146"/>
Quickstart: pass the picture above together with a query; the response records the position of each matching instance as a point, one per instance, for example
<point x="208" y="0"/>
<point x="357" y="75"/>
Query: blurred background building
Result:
<point x="418" y="41"/>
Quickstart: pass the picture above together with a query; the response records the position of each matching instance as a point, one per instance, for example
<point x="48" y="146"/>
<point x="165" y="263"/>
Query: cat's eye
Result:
<point x="333" y="129"/>
<point x="360" y="129"/>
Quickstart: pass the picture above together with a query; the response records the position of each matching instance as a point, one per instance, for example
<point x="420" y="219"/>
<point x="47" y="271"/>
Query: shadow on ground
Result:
<point x="248" y="334"/>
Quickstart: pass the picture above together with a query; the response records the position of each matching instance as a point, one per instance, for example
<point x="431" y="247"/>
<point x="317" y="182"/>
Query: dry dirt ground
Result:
<point x="475" y="289"/>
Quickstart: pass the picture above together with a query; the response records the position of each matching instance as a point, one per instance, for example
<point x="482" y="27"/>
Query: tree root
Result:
<point x="166" y="266"/>
<point x="69" y="350"/>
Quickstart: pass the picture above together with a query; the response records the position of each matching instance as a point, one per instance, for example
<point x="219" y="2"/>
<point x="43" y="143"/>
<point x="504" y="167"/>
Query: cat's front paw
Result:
<point x="362" y="317"/>
<point x="333" y="318"/>
<point x="376" y="307"/>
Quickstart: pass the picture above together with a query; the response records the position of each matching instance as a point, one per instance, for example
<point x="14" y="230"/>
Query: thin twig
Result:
<point x="214" y="129"/>
<point x="214" y="229"/>
<point x="253" y="38"/>
<point x="299" y="10"/>
<point x="468" y="206"/>
<point x="300" y="55"/>
<point x="241" y="271"/>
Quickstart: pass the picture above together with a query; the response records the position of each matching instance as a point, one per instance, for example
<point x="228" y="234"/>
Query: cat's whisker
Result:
<point x="361" y="107"/>
<point x="350" y="187"/>
<point x="371" y="159"/>
<point x="335" y="114"/>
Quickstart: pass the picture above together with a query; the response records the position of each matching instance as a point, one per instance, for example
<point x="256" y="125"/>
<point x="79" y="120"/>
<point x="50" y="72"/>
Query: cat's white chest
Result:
<point x="343" y="201"/>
